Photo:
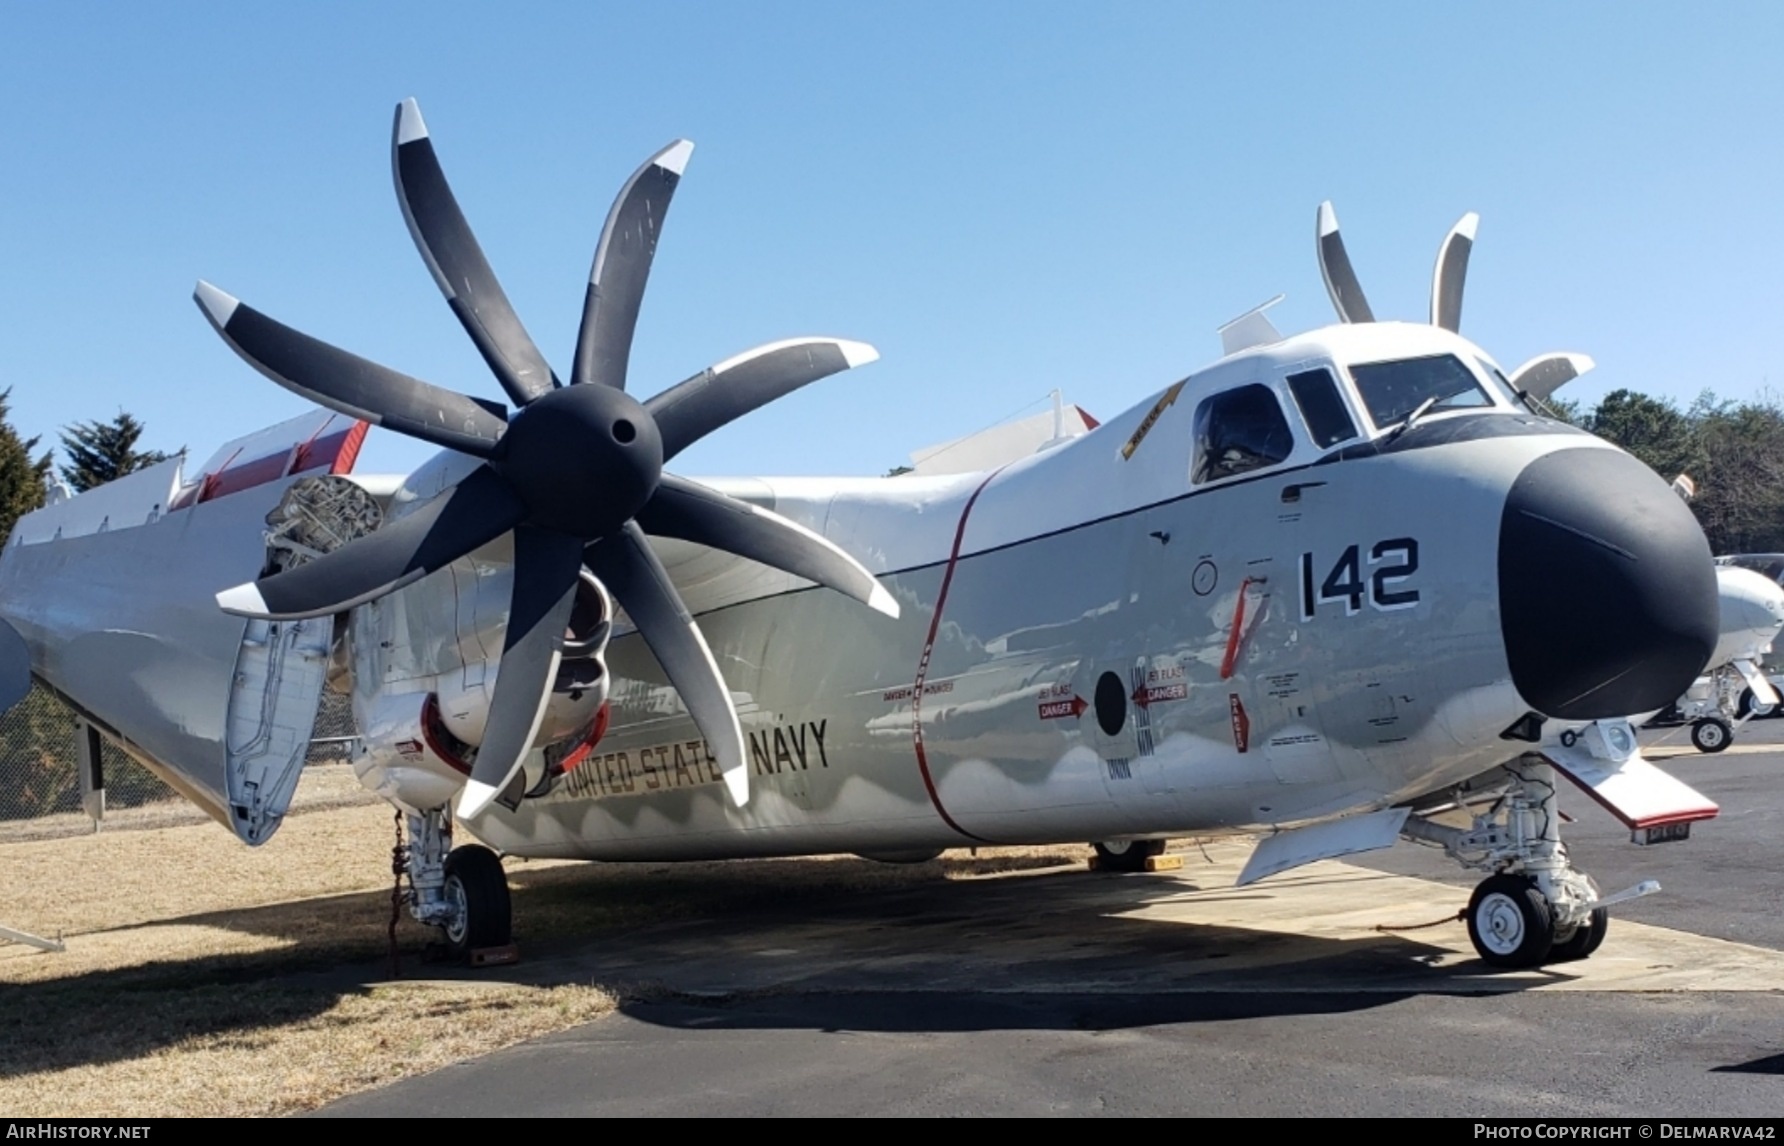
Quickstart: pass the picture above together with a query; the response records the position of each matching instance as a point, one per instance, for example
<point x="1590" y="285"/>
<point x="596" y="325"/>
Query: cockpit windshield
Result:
<point x="1393" y="390"/>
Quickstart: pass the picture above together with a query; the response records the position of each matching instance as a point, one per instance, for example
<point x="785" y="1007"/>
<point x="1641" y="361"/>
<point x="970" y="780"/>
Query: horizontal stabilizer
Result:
<point x="1631" y="789"/>
<point x="1366" y="833"/>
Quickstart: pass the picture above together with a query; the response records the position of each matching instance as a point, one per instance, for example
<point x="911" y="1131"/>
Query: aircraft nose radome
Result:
<point x="1607" y="592"/>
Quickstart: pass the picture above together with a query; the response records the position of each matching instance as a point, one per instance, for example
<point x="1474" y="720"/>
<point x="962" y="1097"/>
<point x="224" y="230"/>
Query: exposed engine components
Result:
<point x="318" y="515"/>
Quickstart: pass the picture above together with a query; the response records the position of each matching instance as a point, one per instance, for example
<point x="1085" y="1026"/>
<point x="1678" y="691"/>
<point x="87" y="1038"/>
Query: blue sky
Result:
<point x="1003" y="197"/>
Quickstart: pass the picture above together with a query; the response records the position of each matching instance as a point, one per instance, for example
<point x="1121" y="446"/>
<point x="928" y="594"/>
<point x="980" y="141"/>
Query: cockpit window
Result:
<point x="1317" y="395"/>
<point x="1239" y="431"/>
<point x="1497" y="379"/>
<point x="1393" y="390"/>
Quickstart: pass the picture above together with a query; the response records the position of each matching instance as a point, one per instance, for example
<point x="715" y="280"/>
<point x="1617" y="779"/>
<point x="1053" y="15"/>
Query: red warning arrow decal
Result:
<point x="1059" y="709"/>
<point x="1149" y="694"/>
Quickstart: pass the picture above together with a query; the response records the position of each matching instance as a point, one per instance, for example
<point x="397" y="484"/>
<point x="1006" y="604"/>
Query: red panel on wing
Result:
<point x="335" y="451"/>
<point x="318" y="441"/>
<point x="244" y="475"/>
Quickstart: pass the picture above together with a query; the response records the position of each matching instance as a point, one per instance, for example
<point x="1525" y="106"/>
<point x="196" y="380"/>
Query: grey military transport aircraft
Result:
<point x="1334" y="589"/>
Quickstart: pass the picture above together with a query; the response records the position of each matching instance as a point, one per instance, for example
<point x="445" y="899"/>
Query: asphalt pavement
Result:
<point x="1336" y="989"/>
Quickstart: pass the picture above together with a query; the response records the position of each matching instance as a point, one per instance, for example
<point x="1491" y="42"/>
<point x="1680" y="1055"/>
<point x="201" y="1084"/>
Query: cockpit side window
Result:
<point x="1239" y="431"/>
<point x="1316" y="393"/>
<point x="1394" y="390"/>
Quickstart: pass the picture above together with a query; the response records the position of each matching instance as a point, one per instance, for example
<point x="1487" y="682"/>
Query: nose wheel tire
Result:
<point x="1509" y="922"/>
<point x="1126" y="855"/>
<point x="477" y="887"/>
<point x="1711" y="734"/>
<point x="1584" y="940"/>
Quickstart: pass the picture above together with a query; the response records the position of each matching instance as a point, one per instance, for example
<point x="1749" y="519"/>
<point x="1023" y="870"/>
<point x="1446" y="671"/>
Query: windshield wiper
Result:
<point x="1418" y="412"/>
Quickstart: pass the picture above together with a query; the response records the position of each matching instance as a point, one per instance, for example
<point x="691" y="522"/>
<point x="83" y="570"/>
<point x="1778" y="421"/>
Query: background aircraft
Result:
<point x="1336" y="588"/>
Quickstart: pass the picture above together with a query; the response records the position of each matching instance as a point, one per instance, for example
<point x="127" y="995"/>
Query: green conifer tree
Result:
<point x="22" y="477"/>
<point x="99" y="452"/>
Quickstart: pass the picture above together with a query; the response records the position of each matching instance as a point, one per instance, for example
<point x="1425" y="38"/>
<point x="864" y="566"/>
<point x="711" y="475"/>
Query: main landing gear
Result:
<point x="1126" y="855"/>
<point x="462" y="891"/>
<point x="1535" y="908"/>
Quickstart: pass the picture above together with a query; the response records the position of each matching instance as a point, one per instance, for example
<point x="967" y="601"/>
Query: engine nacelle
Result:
<point x="578" y="691"/>
<point x="418" y="746"/>
<point x="406" y="754"/>
<point x="409" y="757"/>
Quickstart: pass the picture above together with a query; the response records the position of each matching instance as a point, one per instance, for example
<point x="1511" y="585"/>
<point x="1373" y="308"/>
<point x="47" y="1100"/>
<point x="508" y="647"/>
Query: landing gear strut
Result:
<point x="463" y="891"/>
<point x="1535" y="908"/>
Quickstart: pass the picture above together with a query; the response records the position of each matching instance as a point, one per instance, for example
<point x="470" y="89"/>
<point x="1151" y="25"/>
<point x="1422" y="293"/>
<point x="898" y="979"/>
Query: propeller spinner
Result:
<point x="576" y="472"/>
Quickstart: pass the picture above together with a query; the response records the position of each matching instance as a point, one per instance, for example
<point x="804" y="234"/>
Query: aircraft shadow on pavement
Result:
<point x="849" y="948"/>
<point x="961" y="1013"/>
<point x="1770" y="1064"/>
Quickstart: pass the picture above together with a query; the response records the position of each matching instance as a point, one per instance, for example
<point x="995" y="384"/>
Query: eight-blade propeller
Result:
<point x="1538" y="378"/>
<point x="576" y="472"/>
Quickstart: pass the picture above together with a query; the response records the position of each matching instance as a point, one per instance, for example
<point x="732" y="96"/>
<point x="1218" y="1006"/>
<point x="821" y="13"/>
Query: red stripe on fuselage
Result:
<point x="935" y="624"/>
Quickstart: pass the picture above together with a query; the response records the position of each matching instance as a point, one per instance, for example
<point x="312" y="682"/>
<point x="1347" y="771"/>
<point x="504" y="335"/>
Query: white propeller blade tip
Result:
<point x="857" y="353"/>
<point x="243" y="601"/>
<point x="1328" y="219"/>
<point x="737" y="782"/>
<point x="1468" y="226"/>
<point x="674" y="158"/>
<point x="883" y="602"/>
<point x="409" y="126"/>
<point x="477" y="796"/>
<point x="218" y="304"/>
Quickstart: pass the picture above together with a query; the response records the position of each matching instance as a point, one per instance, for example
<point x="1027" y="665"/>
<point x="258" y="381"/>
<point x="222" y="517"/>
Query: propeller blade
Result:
<point x="1451" y="273"/>
<point x="1335" y="268"/>
<point x="1547" y="373"/>
<point x="472" y="513"/>
<point x="695" y="407"/>
<point x="693" y="512"/>
<point x="355" y="386"/>
<point x="625" y="564"/>
<point x="546" y="568"/>
<point x="456" y="261"/>
<point x="622" y="264"/>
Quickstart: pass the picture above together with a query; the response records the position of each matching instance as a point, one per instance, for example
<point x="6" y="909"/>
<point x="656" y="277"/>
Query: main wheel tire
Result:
<point x="1749" y="706"/>
<point x="1584" y="940"/>
<point x="477" y="885"/>
<point x="1509" y="922"/>
<point x="1711" y="734"/>
<point x="1126" y="855"/>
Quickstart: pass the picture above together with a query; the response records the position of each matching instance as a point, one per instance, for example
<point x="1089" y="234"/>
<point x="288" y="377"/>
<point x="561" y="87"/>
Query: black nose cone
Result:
<point x="1607" y="592"/>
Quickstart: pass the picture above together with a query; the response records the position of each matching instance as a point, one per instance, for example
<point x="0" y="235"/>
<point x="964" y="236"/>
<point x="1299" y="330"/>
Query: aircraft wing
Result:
<point x="709" y="578"/>
<point x="112" y="594"/>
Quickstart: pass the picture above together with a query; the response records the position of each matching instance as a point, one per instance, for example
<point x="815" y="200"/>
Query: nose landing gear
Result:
<point x="1535" y="908"/>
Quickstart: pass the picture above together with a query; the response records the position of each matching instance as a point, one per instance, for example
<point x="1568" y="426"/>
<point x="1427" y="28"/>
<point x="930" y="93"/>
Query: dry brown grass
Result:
<point x="206" y="978"/>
